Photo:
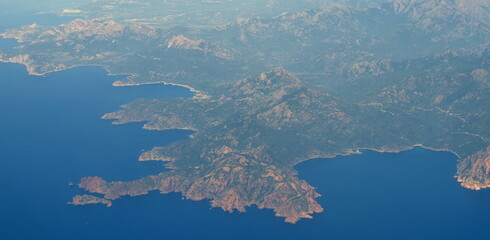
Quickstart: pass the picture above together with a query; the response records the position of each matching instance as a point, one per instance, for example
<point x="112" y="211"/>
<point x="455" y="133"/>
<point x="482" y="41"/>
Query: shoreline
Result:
<point x="470" y="185"/>
<point x="198" y="94"/>
<point x="106" y="68"/>
<point x="359" y="151"/>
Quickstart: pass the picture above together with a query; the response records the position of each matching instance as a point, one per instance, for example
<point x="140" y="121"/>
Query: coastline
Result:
<point x="30" y="70"/>
<point x="467" y="183"/>
<point x="359" y="151"/>
<point x="24" y="60"/>
<point x="198" y="94"/>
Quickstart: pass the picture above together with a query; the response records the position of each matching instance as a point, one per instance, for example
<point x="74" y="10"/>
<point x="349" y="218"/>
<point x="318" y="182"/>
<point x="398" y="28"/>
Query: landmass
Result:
<point x="89" y="199"/>
<point x="250" y="134"/>
<point x="473" y="171"/>
<point x="274" y="92"/>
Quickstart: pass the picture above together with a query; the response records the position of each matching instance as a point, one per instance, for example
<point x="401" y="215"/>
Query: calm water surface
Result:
<point x="51" y="133"/>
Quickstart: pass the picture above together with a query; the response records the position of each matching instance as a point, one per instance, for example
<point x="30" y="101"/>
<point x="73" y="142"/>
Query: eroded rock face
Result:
<point x="231" y="187"/>
<point x="474" y="171"/>
<point x="251" y="133"/>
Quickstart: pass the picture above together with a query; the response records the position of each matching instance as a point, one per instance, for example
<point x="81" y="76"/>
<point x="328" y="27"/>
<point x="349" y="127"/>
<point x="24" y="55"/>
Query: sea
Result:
<point x="51" y="134"/>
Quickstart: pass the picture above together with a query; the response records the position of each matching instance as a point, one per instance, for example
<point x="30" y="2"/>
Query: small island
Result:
<point x="89" y="199"/>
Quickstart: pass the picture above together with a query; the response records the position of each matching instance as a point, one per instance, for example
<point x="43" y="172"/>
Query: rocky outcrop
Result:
<point x="89" y="199"/>
<point x="229" y="185"/>
<point x="154" y="155"/>
<point x="474" y="171"/>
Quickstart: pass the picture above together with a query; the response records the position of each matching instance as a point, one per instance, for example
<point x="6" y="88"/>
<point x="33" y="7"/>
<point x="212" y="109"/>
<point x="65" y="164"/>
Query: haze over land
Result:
<point x="278" y="83"/>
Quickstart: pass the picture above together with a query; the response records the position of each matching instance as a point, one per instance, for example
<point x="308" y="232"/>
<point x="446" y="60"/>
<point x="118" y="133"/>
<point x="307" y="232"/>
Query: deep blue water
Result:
<point x="51" y="133"/>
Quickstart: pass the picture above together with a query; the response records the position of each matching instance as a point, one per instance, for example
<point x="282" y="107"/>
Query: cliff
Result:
<point x="474" y="171"/>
